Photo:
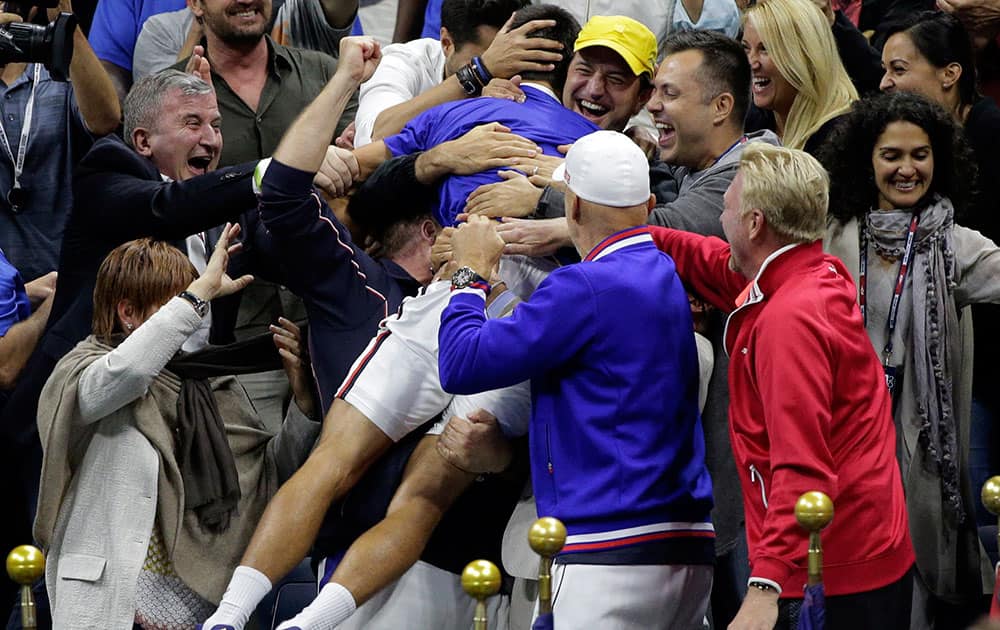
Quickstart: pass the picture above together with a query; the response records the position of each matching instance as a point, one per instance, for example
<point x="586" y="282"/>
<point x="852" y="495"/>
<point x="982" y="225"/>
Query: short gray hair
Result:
<point x="144" y="102"/>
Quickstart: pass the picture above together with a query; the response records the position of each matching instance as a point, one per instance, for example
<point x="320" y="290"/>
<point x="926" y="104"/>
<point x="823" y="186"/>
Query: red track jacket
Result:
<point x="809" y="410"/>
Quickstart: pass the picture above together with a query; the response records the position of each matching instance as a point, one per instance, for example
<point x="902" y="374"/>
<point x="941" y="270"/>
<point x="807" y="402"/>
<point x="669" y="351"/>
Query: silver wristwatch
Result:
<point x="200" y="306"/>
<point x="465" y="276"/>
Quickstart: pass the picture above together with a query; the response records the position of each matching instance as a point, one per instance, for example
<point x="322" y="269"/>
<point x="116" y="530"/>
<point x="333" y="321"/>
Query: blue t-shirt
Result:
<point x="541" y="119"/>
<point x="117" y="24"/>
<point x="432" y="20"/>
<point x="14" y="304"/>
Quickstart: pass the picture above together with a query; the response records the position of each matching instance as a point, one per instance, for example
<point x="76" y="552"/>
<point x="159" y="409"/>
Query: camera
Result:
<point x="50" y="45"/>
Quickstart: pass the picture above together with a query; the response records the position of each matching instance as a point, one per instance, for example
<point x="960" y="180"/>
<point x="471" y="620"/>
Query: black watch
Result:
<point x="200" y="306"/>
<point x="466" y="76"/>
<point x="464" y="277"/>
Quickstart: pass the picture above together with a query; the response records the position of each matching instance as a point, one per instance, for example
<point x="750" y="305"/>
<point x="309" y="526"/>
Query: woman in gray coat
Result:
<point x="153" y="460"/>
<point x="900" y="174"/>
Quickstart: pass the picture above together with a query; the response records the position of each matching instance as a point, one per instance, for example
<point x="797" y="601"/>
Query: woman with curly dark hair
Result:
<point x="900" y="172"/>
<point x="930" y="53"/>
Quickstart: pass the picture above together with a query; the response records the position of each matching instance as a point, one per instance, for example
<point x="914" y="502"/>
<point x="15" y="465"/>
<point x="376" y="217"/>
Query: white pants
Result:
<point x="630" y="597"/>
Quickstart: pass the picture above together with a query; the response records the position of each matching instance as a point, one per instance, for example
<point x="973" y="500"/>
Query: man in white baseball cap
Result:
<point x="603" y="169"/>
<point x="615" y="440"/>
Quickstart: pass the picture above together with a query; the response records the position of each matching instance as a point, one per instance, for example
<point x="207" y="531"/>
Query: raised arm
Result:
<point x="125" y="373"/>
<point x="304" y="145"/>
<point x="95" y="93"/>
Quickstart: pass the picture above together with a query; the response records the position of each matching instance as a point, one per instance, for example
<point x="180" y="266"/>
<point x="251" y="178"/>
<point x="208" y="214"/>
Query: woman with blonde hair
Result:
<point x="798" y="78"/>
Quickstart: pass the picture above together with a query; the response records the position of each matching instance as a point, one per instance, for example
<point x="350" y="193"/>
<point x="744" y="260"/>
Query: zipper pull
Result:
<point x="550" y="467"/>
<point x="754" y="476"/>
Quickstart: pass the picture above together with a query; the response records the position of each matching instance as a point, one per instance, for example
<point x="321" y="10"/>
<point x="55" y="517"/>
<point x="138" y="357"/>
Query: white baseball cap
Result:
<point x="606" y="168"/>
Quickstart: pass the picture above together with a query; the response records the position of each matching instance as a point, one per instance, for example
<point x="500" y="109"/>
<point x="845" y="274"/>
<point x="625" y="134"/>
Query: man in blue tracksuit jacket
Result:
<point x="616" y="445"/>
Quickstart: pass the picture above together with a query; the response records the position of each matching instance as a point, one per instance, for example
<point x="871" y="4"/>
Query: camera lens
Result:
<point x="51" y="45"/>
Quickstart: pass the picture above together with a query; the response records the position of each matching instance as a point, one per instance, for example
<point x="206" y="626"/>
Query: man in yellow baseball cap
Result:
<point x="629" y="38"/>
<point x="610" y="76"/>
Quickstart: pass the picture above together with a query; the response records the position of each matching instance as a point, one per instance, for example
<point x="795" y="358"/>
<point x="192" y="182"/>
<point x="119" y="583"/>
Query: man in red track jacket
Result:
<point x="809" y="406"/>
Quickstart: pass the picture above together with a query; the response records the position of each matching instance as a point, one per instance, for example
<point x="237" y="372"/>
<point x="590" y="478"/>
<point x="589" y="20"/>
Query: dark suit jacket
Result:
<point x="118" y="196"/>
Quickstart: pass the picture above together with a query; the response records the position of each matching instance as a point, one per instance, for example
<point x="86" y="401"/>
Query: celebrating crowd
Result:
<point x="275" y="295"/>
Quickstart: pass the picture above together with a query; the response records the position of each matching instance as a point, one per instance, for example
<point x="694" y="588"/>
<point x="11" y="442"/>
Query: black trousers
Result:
<point x="886" y="608"/>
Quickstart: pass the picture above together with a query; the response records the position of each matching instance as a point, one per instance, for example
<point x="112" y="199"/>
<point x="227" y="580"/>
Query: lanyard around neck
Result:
<point x="22" y="147"/>
<point x="897" y="290"/>
<point x="742" y="140"/>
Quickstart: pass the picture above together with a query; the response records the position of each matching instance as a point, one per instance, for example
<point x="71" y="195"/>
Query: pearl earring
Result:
<point x="129" y="326"/>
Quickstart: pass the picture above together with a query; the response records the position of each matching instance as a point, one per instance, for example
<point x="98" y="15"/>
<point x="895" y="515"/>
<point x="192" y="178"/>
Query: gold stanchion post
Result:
<point x="481" y="580"/>
<point x="25" y="565"/>
<point x="814" y="511"/>
<point x="991" y="498"/>
<point x="546" y="537"/>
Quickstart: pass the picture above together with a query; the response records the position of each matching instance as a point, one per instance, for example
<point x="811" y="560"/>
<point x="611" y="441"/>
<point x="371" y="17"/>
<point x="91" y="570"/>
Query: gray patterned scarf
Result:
<point x="934" y="328"/>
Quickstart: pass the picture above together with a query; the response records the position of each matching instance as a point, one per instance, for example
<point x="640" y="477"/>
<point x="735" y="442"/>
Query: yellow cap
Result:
<point x="627" y="37"/>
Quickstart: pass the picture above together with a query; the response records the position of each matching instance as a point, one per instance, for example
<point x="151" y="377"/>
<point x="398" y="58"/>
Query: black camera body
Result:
<point x="50" y="45"/>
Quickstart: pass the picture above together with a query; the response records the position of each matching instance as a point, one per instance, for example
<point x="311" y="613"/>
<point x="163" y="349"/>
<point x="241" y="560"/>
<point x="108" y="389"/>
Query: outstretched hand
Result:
<point x="215" y="282"/>
<point x="294" y="354"/>
<point x="198" y="65"/>
<point x="980" y="17"/>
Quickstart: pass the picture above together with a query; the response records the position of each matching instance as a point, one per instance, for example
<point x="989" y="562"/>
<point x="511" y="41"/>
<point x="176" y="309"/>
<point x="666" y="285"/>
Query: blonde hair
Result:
<point x="789" y="187"/>
<point x="145" y="272"/>
<point x="800" y="43"/>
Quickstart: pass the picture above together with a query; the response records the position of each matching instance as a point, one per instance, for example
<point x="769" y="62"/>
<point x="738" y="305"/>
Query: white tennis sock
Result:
<point x="332" y="606"/>
<point x="246" y="588"/>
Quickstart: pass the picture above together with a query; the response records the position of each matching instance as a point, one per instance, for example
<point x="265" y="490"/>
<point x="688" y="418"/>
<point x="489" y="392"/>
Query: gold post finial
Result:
<point x="25" y="565"/>
<point x="814" y="511"/>
<point x="991" y="498"/>
<point x="481" y="579"/>
<point x="546" y="537"/>
<point x="991" y="495"/>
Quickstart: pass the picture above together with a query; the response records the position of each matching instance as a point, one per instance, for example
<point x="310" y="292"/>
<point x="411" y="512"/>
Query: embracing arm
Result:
<point x="391" y="98"/>
<point x="511" y="51"/>
<point x="703" y="265"/>
<point x="476" y="354"/>
<point x="131" y="205"/>
<point x="698" y="208"/>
